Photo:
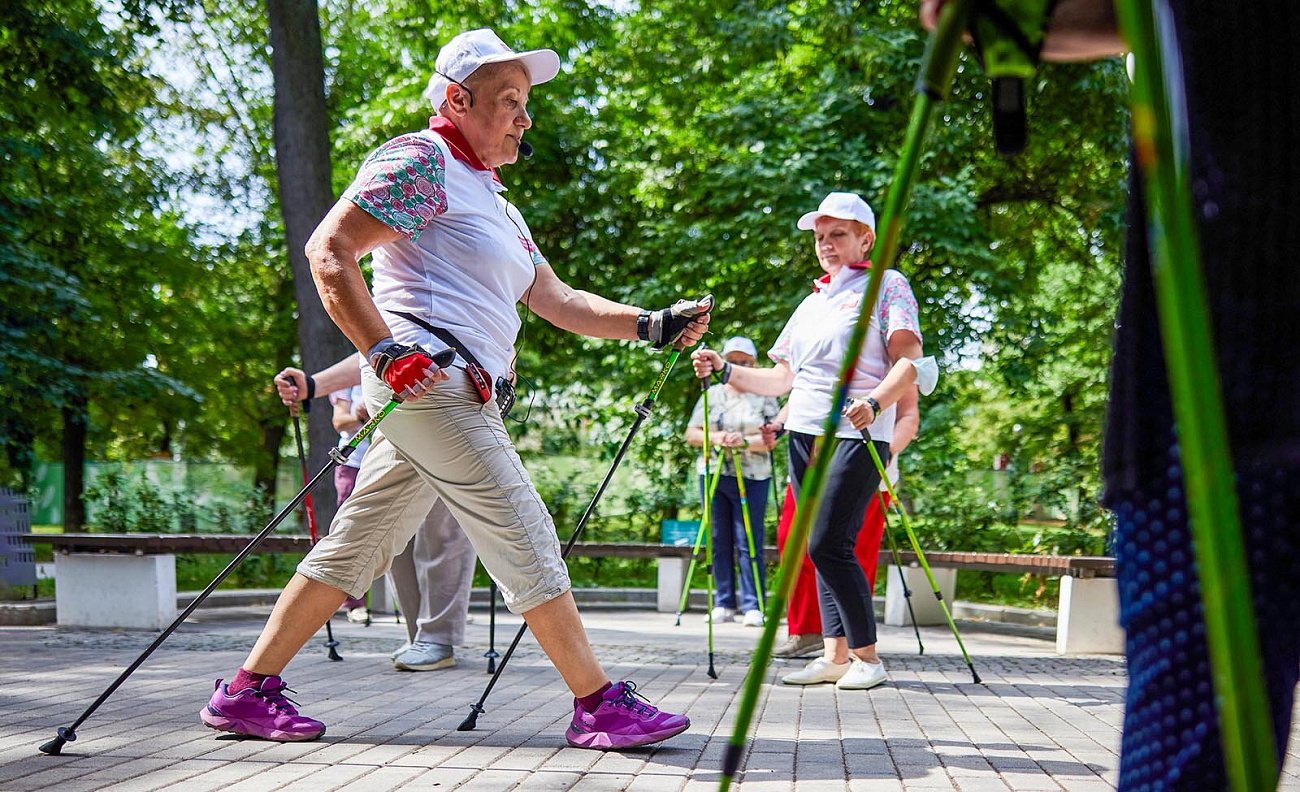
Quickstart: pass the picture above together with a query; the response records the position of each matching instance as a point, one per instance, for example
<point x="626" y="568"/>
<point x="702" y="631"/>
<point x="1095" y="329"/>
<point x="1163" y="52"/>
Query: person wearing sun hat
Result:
<point x="736" y="422"/>
<point x="451" y="259"/>
<point x="808" y="355"/>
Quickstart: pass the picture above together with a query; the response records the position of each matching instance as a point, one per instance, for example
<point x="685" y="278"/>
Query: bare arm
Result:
<point x="579" y="311"/>
<point x="1079" y="29"/>
<point x="907" y="422"/>
<point x="594" y="316"/>
<point x="344" y="420"/>
<point x="775" y="381"/>
<point x="346" y="234"/>
<point x="900" y="379"/>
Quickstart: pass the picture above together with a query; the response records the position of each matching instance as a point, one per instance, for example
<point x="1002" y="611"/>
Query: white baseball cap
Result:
<point x="739" y="344"/>
<point x="459" y="57"/>
<point x="845" y="206"/>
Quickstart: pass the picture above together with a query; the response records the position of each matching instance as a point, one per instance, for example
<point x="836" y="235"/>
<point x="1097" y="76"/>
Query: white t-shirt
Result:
<point x="355" y="396"/>
<point x="467" y="256"/>
<point x="815" y="339"/>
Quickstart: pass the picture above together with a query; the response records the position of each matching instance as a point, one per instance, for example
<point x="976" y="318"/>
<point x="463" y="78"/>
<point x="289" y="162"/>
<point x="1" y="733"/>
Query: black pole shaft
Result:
<point x="248" y="549"/>
<point x="642" y="410"/>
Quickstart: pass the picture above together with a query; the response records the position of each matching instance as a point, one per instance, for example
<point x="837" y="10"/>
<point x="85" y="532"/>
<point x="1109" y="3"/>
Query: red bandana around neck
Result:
<point x="460" y="147"/>
<point x="825" y="279"/>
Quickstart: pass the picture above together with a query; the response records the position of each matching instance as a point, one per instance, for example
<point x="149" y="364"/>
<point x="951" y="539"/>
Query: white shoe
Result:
<point x="400" y="650"/>
<point x="359" y="615"/>
<point x="862" y="675"/>
<point x="721" y="615"/>
<point x="753" y="618"/>
<point x="815" y="673"/>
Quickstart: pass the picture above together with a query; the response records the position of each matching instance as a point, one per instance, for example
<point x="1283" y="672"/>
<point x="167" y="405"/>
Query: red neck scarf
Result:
<point x="825" y="279"/>
<point x="460" y="147"/>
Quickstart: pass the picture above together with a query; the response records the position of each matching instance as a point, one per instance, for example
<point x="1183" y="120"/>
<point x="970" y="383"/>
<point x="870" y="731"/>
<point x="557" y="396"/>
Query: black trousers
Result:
<point x="844" y="596"/>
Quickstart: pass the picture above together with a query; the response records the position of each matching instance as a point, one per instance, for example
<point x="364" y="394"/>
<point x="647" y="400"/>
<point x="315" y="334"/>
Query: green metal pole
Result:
<point x="938" y="67"/>
<point x="749" y="533"/>
<point x="902" y="575"/>
<point x="1230" y="630"/>
<point x="706" y="525"/>
<point x="920" y="556"/>
<point x="710" y="488"/>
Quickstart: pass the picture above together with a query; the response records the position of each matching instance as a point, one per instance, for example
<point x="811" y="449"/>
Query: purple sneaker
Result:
<point x="263" y="712"/>
<point x="624" y="719"/>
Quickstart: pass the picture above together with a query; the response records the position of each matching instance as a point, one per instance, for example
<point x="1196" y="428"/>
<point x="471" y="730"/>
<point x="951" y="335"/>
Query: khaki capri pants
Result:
<point x="448" y="446"/>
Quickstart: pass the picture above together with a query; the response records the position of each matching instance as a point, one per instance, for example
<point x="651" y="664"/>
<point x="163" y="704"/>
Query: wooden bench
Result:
<point x="129" y="580"/>
<point x="1087" y="618"/>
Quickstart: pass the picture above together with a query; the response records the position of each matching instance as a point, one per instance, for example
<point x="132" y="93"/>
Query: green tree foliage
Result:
<point x="90" y="238"/>
<point x="673" y="154"/>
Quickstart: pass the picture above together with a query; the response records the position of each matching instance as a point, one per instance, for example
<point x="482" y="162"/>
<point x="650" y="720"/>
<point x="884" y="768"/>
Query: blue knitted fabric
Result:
<point x="1171" y="736"/>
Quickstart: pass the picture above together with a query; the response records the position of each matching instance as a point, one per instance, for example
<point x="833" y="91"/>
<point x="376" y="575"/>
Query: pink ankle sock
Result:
<point x="591" y="702"/>
<point x="244" y="680"/>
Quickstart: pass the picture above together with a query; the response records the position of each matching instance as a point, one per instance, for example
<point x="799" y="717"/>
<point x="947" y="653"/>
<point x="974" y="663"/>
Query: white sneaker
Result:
<point x="400" y="650"/>
<point x="721" y="615"/>
<point x="862" y="675"/>
<point x="815" y="673"/>
<point x="753" y="618"/>
<point x="359" y="615"/>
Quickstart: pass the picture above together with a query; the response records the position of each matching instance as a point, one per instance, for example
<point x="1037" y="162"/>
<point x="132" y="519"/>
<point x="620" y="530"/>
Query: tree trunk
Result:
<point x="74" y="462"/>
<point x="302" y="164"/>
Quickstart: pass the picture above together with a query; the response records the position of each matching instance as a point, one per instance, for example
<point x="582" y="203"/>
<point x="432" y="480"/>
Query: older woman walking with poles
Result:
<point x="808" y="355"/>
<point x="736" y="420"/>
<point x="451" y="258"/>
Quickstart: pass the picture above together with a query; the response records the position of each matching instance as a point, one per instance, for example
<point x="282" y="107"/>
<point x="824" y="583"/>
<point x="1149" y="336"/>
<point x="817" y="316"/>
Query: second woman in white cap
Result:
<point x="808" y="355"/>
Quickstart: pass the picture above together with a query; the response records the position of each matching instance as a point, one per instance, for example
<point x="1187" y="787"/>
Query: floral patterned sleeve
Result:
<point x="897" y="308"/>
<point x="780" y="351"/>
<point x="403" y="184"/>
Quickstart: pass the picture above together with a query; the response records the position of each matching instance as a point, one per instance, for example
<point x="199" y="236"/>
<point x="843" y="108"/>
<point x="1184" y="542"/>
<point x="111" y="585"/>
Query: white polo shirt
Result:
<point x="816" y="338"/>
<point x="467" y="256"/>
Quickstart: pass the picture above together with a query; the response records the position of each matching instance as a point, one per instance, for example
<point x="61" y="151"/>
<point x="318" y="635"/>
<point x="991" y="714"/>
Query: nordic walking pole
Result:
<point x="338" y="456"/>
<point x="902" y="576"/>
<point x="938" y="66"/>
<point x="491" y="654"/>
<point x="706" y="523"/>
<point x="643" y="411"/>
<point x="1159" y="132"/>
<point x="710" y="487"/>
<point x="749" y="533"/>
<point x="331" y="645"/>
<point x="920" y="556"/>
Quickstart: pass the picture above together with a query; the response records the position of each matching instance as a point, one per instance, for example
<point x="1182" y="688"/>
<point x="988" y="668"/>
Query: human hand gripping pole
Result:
<point x="938" y="67"/>
<point x="338" y="456"/>
<point x="643" y="410"/>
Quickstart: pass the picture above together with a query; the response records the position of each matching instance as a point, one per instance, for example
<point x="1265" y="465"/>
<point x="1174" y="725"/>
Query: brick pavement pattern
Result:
<point x="1039" y="722"/>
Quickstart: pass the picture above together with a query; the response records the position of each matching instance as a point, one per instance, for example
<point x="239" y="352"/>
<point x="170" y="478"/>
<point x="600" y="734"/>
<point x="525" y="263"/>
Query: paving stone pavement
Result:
<point x="1039" y="722"/>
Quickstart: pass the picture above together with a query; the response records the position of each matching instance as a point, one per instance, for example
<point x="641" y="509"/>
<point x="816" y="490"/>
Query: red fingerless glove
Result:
<point x="402" y="366"/>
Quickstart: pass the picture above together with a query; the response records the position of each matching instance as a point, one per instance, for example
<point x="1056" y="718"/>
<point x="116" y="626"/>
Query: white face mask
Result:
<point x="927" y="374"/>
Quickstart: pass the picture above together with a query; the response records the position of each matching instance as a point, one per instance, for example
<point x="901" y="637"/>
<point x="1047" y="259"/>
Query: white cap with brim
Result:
<point x="843" y="205"/>
<point x="461" y="56"/>
<point x="739" y="344"/>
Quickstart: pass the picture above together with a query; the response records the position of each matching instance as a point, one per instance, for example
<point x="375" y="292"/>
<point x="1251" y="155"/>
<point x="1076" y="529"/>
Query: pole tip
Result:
<point x="55" y="747"/>
<point x="334" y="655"/>
<point x="471" y="720"/>
<point x="712" y="674"/>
